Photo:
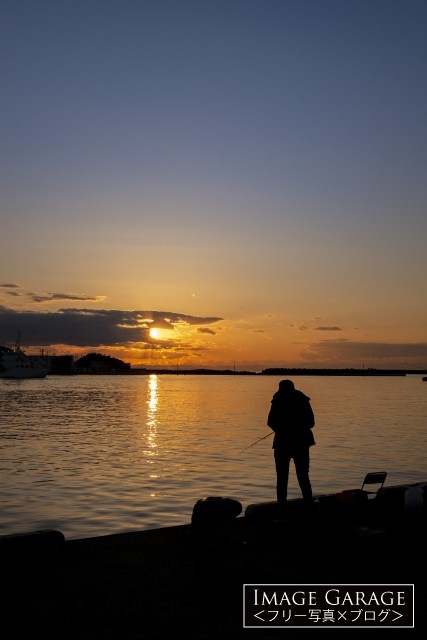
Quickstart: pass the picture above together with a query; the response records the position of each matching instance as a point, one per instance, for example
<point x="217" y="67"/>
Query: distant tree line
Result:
<point x="98" y="363"/>
<point x="332" y="372"/>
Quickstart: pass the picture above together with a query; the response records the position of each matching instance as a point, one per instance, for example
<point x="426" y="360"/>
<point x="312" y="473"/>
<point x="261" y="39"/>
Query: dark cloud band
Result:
<point x="84" y="327"/>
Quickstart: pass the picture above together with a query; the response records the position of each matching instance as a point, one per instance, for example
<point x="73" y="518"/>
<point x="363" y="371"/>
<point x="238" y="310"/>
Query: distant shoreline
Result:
<point x="99" y="364"/>
<point x="267" y="372"/>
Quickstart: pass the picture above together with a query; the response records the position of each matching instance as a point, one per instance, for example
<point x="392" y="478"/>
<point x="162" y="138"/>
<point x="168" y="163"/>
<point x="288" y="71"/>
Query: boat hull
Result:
<point x="24" y="374"/>
<point x="18" y="365"/>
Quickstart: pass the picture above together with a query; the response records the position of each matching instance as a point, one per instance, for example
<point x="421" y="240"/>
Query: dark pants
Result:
<point x="302" y="466"/>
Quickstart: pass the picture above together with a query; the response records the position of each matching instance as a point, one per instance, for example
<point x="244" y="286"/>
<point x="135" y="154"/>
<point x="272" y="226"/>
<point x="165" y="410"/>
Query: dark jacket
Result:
<point x="291" y="418"/>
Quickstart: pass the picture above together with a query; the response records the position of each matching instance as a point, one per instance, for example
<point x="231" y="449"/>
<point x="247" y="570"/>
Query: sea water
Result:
<point x="95" y="455"/>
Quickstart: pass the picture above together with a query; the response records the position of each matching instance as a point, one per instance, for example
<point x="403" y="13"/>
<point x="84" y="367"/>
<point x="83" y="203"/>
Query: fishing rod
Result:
<point x="256" y="441"/>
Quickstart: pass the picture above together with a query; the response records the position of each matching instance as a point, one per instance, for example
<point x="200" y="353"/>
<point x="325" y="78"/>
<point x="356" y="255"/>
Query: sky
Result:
<point x="215" y="183"/>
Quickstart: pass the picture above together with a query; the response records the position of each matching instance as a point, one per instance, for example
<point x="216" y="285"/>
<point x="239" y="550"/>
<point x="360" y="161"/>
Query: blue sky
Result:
<point x="261" y="162"/>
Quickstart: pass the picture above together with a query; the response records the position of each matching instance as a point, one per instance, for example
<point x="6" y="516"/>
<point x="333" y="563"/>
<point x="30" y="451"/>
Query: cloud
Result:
<point x="171" y="318"/>
<point x="205" y="330"/>
<point x="299" y="326"/>
<point x="49" y="297"/>
<point x="306" y="325"/>
<point x="8" y="286"/>
<point x="88" y="327"/>
<point x="18" y="291"/>
<point x="371" y="354"/>
<point x="159" y="323"/>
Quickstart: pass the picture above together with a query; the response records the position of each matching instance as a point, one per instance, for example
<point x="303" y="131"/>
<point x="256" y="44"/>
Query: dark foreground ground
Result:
<point x="173" y="583"/>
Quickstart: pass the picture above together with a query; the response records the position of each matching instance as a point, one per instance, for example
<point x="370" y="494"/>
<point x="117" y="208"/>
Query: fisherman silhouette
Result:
<point x="292" y="420"/>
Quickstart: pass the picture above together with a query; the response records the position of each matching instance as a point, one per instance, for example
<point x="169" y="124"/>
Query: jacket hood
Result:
<point x="287" y="394"/>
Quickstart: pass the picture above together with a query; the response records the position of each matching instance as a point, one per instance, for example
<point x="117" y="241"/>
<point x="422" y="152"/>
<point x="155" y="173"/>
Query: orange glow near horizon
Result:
<point x="284" y="227"/>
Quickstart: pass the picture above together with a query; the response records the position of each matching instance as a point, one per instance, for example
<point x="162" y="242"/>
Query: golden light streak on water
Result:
<point x="93" y="455"/>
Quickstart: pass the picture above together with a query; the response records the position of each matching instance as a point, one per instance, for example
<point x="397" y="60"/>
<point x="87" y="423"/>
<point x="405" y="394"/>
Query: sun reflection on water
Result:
<point x="152" y="404"/>
<point x="118" y="452"/>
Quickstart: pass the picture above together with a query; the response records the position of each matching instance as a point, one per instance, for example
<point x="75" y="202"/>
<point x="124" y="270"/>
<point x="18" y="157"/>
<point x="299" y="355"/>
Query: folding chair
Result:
<point x="378" y="478"/>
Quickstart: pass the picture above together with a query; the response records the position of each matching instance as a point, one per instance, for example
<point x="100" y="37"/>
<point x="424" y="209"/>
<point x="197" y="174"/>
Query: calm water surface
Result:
<point x="94" y="455"/>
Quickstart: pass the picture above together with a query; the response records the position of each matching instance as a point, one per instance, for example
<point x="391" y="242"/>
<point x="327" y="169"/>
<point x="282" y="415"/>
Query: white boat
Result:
<point x="14" y="363"/>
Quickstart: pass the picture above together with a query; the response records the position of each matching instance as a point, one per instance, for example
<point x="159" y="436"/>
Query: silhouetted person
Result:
<point x="291" y="418"/>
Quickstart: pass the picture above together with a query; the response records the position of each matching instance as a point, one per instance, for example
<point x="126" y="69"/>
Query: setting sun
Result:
<point x="209" y="237"/>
